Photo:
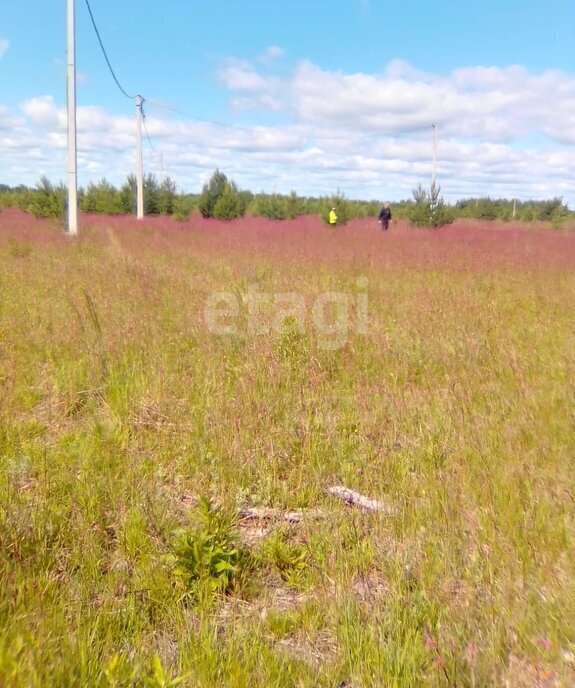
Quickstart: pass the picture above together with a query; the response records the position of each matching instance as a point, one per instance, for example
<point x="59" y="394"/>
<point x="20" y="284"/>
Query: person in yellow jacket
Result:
<point x="332" y="217"/>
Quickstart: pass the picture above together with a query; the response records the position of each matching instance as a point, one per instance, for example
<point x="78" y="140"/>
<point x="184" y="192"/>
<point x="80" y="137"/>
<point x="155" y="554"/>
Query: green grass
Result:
<point x="119" y="409"/>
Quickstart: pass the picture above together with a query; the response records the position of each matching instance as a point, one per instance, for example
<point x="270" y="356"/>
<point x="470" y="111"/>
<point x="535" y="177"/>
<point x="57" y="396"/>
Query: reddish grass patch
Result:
<point x="463" y="245"/>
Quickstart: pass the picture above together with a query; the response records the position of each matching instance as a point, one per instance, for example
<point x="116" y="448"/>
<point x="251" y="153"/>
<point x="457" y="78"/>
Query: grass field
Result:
<point x="134" y="431"/>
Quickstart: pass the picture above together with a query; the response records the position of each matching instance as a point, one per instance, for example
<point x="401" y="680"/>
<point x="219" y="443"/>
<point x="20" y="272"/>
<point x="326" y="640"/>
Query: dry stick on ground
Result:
<point x="266" y="514"/>
<point x="356" y="499"/>
<point x="349" y="497"/>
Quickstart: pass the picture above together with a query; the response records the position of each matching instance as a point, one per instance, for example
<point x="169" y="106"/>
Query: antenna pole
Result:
<point x="72" y="154"/>
<point x="434" y="168"/>
<point x="139" y="164"/>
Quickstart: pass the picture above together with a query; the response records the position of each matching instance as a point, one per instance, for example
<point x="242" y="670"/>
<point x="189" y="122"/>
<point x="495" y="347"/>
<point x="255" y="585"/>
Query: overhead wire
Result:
<point x="112" y="72"/>
<point x="200" y="119"/>
<point x="254" y="129"/>
<point x="106" y="54"/>
<point x="145" y="127"/>
<point x="234" y="127"/>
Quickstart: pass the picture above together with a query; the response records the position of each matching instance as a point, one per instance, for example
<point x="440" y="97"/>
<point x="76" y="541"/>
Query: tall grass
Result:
<point x="120" y="410"/>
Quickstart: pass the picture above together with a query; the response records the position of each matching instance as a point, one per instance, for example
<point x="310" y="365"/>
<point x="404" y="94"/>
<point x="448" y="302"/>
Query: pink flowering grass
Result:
<point x="462" y="244"/>
<point x="465" y="244"/>
<point x="442" y="387"/>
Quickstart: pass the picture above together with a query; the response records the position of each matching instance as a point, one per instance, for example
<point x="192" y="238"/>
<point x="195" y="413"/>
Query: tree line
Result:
<point x="222" y="199"/>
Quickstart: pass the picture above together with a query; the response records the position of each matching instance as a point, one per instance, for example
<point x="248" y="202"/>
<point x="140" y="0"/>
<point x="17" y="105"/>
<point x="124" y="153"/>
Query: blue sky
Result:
<point x="319" y="96"/>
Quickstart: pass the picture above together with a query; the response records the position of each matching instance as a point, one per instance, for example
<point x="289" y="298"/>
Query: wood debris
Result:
<point x="356" y="499"/>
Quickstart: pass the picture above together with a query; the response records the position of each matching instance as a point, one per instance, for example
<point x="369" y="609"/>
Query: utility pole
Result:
<point x="72" y="154"/>
<point x="139" y="164"/>
<point x="434" y="167"/>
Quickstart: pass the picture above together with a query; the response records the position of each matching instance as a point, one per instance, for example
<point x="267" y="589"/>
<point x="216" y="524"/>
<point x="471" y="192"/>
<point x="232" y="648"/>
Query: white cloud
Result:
<point x="270" y="54"/>
<point x="502" y="131"/>
<point x="485" y="103"/>
<point x="7" y="121"/>
<point x="238" y="75"/>
<point x="4" y="45"/>
<point x="257" y="102"/>
<point x="240" y="78"/>
<point x="43" y="112"/>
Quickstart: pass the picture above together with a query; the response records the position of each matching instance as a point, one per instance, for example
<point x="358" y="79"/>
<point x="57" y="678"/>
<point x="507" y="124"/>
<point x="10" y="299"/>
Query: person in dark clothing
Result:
<point x="385" y="216"/>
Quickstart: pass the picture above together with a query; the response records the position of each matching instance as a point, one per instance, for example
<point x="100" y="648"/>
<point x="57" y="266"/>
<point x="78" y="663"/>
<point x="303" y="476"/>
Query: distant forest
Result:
<point x="222" y="199"/>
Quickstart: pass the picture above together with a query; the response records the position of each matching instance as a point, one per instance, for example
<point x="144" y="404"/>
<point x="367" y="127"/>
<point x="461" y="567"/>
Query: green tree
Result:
<point x="486" y="209"/>
<point x="559" y="215"/>
<point x="229" y="204"/>
<point x="183" y="205"/>
<point x="429" y="209"/>
<point x="294" y="206"/>
<point x="166" y="196"/>
<point x="128" y="195"/>
<point x="548" y="209"/>
<point x="46" y="200"/>
<point x="420" y="212"/>
<point x="151" y="195"/>
<point x="211" y="193"/>
<point x="272" y="206"/>
<point x="528" y="213"/>
<point x="101" y="198"/>
<point x="343" y="208"/>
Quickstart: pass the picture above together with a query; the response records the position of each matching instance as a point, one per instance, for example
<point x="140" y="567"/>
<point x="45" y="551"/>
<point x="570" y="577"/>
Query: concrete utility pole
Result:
<point x="434" y="168"/>
<point x="139" y="164"/>
<point x="72" y="155"/>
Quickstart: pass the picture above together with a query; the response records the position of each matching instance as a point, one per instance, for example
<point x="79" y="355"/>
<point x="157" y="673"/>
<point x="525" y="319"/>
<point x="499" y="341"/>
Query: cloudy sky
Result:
<point x="312" y="96"/>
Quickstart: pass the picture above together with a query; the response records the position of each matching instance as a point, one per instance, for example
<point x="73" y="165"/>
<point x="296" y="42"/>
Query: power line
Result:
<point x="251" y="130"/>
<point x="200" y="119"/>
<point x="145" y="127"/>
<point x="105" y="54"/>
<point x="236" y="127"/>
<point x="218" y="123"/>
